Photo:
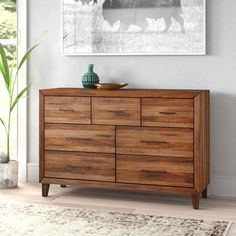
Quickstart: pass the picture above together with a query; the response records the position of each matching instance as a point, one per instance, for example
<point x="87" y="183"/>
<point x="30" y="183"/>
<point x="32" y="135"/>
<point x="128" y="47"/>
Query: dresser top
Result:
<point x="158" y="93"/>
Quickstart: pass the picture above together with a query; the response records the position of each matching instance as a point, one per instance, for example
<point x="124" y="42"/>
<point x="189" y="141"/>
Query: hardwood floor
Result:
<point x="212" y="208"/>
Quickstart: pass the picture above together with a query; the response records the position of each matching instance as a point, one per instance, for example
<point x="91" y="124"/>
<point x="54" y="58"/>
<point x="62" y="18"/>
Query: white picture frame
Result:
<point x="201" y="40"/>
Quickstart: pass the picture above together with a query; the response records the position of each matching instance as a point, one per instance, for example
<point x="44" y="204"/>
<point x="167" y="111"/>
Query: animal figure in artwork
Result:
<point x="136" y="12"/>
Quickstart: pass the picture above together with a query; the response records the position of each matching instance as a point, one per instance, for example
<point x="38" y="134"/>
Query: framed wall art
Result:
<point x="133" y="27"/>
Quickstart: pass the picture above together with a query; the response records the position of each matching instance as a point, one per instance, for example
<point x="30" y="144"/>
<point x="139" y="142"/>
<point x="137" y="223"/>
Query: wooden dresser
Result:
<point x="150" y="140"/>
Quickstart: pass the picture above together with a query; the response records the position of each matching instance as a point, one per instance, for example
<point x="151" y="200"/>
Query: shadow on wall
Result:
<point x="223" y="134"/>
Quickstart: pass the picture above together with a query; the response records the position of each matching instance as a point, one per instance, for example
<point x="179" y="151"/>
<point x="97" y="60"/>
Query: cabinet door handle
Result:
<point x="153" y="142"/>
<point x="167" y="113"/>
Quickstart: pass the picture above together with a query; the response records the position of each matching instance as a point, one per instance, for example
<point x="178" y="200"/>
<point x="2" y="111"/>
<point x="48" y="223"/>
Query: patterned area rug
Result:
<point x="23" y="219"/>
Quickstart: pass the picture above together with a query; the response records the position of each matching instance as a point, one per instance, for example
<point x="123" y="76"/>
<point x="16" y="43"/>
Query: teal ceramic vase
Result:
<point x="90" y="78"/>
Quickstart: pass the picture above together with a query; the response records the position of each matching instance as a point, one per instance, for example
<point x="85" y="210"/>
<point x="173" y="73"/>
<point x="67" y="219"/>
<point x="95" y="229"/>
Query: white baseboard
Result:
<point x="221" y="186"/>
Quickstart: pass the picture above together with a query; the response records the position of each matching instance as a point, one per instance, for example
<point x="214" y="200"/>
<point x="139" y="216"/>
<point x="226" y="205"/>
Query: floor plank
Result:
<point x="213" y="208"/>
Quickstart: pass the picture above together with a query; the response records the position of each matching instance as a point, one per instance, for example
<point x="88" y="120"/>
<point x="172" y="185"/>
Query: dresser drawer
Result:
<point x="155" y="170"/>
<point x="80" y="165"/>
<point x="167" y="112"/>
<point x="116" y="111"/>
<point x="84" y="138"/>
<point x="67" y="110"/>
<point x="155" y="141"/>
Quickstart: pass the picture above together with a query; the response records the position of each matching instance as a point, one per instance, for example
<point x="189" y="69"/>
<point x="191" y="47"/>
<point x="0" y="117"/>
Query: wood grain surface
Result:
<point x="41" y="136"/>
<point x="127" y="93"/>
<point x="154" y="141"/>
<point x="140" y="139"/>
<point x="80" y="165"/>
<point x="67" y="110"/>
<point x="155" y="170"/>
<point x="128" y="186"/>
<point x="167" y="112"/>
<point x="116" y="111"/>
<point x="84" y="138"/>
<point x="201" y="142"/>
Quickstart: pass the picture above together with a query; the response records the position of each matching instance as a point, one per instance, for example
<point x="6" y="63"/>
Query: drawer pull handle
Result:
<point x="153" y="142"/>
<point x="66" y="109"/>
<point x="167" y="113"/>
<point x="153" y="172"/>
<point x="79" y="139"/>
<point x="68" y="166"/>
<point x="119" y="113"/>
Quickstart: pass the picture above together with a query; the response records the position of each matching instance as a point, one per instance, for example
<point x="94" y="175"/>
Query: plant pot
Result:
<point x="4" y="158"/>
<point x="8" y="175"/>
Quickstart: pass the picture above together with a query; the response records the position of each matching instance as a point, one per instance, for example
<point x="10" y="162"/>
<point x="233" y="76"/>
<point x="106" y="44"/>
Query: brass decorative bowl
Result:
<point x="110" y="86"/>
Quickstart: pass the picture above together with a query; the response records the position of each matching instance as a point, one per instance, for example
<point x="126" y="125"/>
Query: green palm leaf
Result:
<point x="10" y="81"/>
<point x="19" y="96"/>
<point x="26" y="56"/>
<point x="4" y="68"/>
<point x="1" y="120"/>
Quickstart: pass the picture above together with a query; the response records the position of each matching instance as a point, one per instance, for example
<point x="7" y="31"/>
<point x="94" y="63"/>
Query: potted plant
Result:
<point x="9" y="73"/>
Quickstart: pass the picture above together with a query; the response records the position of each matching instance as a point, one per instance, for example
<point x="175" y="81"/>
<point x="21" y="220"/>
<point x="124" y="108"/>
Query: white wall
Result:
<point x="216" y="71"/>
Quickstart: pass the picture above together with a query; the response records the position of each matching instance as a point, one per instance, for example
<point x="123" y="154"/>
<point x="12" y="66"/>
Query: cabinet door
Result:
<point x="80" y="165"/>
<point x="167" y="112"/>
<point x="155" y="170"/>
<point x="67" y="110"/>
<point x="116" y="111"/>
<point x="84" y="138"/>
<point x="154" y="141"/>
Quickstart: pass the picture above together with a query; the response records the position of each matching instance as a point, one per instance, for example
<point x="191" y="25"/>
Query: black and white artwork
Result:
<point x="133" y="27"/>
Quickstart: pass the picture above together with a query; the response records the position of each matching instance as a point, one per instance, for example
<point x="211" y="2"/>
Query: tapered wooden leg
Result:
<point x="63" y="185"/>
<point x="45" y="189"/>
<point x="195" y="201"/>
<point x="204" y="193"/>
